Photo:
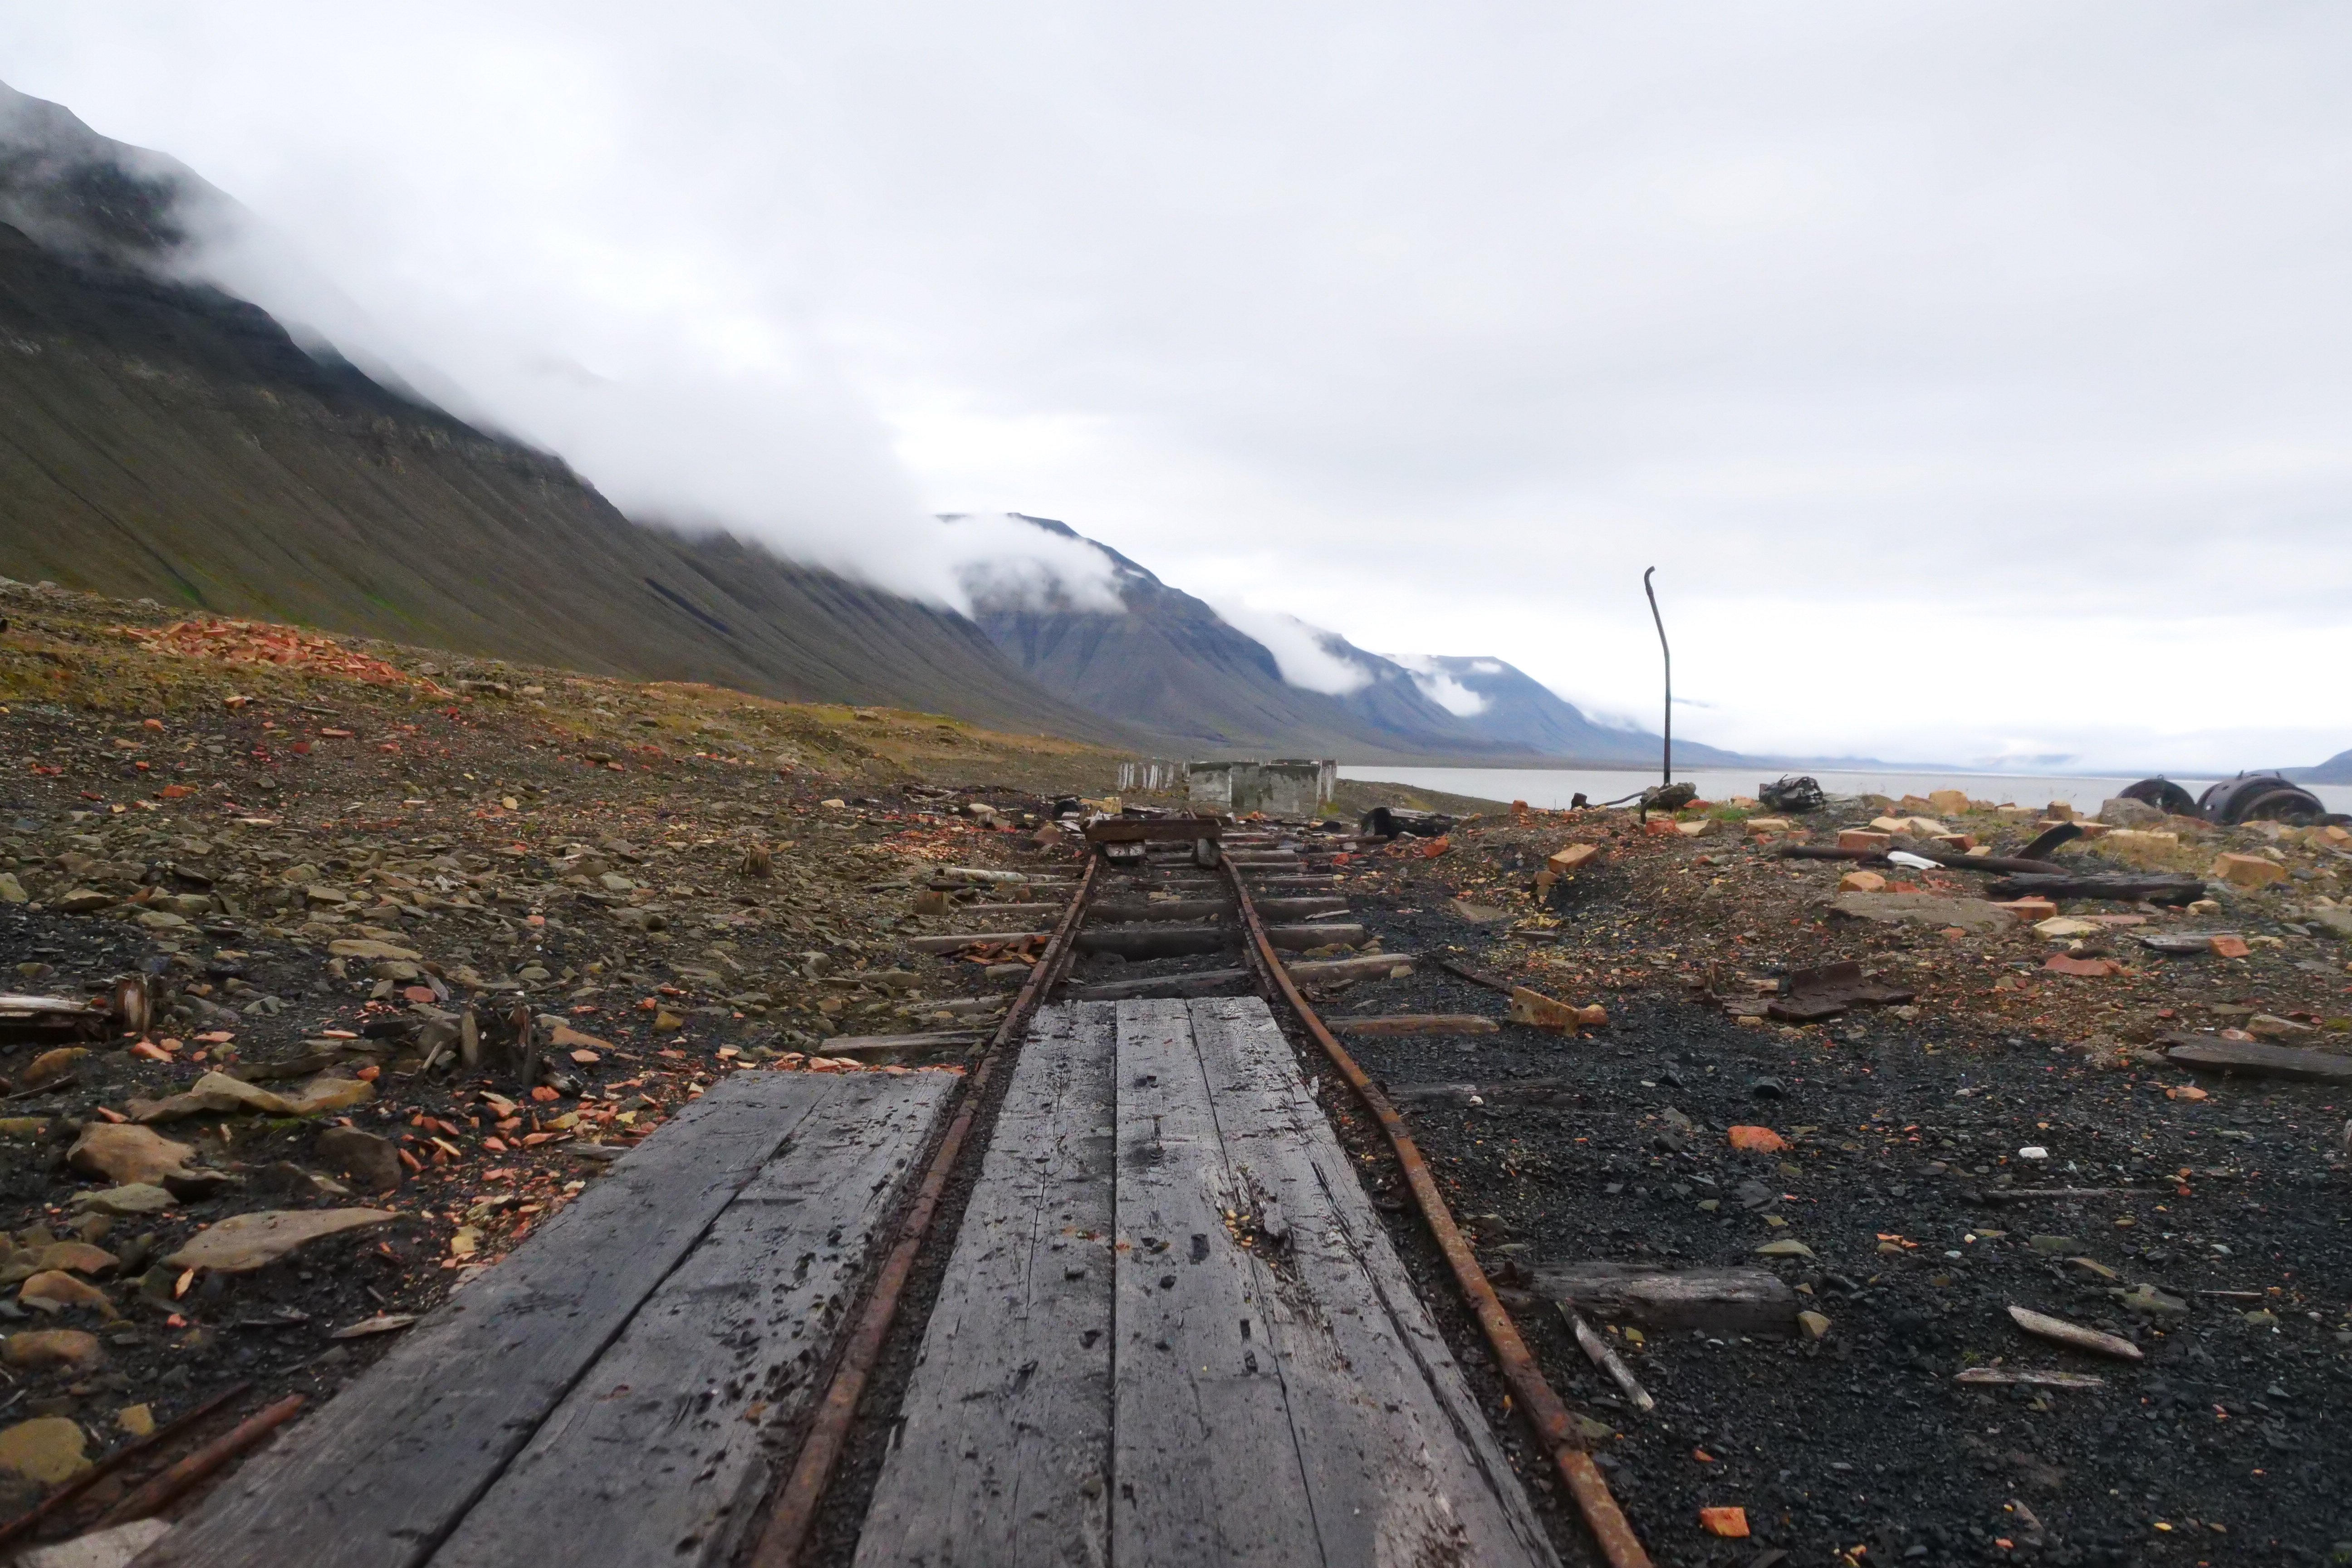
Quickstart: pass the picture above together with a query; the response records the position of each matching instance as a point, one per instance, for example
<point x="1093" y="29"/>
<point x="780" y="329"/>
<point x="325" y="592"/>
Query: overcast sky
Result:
<point x="1975" y="374"/>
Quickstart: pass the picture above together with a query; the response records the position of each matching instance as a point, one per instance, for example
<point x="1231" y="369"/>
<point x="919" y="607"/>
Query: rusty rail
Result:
<point x="152" y="1442"/>
<point x="794" y="1513"/>
<point x="1536" y="1400"/>
<point x="159" y="1492"/>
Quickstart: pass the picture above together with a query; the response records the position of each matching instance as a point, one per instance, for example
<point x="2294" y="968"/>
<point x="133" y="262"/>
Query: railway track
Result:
<point x="1122" y="1298"/>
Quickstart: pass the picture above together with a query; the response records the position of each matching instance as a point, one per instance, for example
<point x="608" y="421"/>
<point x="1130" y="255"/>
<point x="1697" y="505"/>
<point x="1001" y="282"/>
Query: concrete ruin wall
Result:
<point x="1287" y="788"/>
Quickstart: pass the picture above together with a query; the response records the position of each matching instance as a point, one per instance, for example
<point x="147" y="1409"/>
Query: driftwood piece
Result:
<point x="316" y="1057"/>
<point x="1598" y="1352"/>
<point x="2255" y="1059"/>
<point x="1950" y="858"/>
<point x="2058" y="1330"/>
<point x="2031" y="1377"/>
<point x="1724" y="1300"/>
<point x="1417" y="1023"/>
<point x="2169" y="889"/>
<point x="1329" y="971"/>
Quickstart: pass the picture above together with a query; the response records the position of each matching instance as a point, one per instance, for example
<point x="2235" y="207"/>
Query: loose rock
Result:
<point x="249" y="1241"/>
<point x="127" y="1154"/>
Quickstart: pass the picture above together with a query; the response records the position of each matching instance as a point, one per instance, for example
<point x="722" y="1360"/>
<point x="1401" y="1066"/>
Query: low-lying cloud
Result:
<point x="1003" y="559"/>
<point x="1442" y="687"/>
<point x="1308" y="656"/>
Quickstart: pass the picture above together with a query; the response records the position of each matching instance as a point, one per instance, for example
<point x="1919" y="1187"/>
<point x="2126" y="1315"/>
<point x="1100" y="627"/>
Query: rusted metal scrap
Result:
<point x="1809" y="995"/>
<point x="2043" y="845"/>
<point x="1397" y="821"/>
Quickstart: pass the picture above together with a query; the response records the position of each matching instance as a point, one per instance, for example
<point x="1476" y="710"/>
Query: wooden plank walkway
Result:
<point x="1273" y="1391"/>
<point x="601" y="1395"/>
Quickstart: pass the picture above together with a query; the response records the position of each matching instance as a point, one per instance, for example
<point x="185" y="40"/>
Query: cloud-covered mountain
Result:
<point x="169" y="436"/>
<point x="166" y="440"/>
<point x="1168" y="661"/>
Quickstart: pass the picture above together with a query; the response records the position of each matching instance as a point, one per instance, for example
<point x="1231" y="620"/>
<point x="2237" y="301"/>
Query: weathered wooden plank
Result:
<point x="1203" y="1453"/>
<point x="1724" y="1300"/>
<point x="1114" y="910"/>
<point x="662" y="1451"/>
<point x="935" y="1042"/>
<point x="1111" y="910"/>
<point x="379" y="1477"/>
<point x="1201" y="982"/>
<point x="1002" y="1451"/>
<point x="2258" y="1060"/>
<point x="1401" y="1465"/>
<point x="1156" y="941"/>
<point x="1198" y="983"/>
<point x="963" y="940"/>
<point x="1417" y="1023"/>
<point x="1325" y="971"/>
<point x="1537" y="1091"/>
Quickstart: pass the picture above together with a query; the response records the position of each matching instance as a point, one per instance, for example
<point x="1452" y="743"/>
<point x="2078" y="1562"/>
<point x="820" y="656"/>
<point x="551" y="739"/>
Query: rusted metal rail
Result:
<point x="786" y="1534"/>
<point x="155" y="1442"/>
<point x="1535" y="1397"/>
<point x="160" y="1492"/>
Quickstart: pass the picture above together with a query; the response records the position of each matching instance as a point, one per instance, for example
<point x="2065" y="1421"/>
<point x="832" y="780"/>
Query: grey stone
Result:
<point x="372" y="1163"/>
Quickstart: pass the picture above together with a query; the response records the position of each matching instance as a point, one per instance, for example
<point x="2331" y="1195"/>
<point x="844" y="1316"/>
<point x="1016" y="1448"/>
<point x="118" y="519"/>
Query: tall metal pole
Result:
<point x="1670" y="673"/>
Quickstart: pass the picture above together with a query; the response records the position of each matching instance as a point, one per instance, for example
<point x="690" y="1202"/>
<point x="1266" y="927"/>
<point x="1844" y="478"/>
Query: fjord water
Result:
<point x="1551" y="788"/>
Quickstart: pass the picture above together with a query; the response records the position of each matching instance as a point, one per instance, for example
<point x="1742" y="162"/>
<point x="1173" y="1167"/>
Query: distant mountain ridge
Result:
<point x="1170" y="661"/>
<point x="2336" y="770"/>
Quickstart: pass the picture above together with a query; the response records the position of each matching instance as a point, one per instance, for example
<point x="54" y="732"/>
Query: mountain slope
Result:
<point x="1515" y="708"/>
<point x="1174" y="665"/>
<point x="2336" y="770"/>
<point x="1169" y="662"/>
<point x="163" y="439"/>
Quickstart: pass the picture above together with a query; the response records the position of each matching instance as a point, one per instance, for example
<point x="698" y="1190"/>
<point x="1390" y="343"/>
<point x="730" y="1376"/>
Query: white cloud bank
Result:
<point x="1307" y="656"/>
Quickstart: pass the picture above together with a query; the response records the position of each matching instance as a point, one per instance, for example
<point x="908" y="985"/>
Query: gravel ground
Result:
<point x="587" y="851"/>
<point x="2224" y="1444"/>
<point x="325" y="861"/>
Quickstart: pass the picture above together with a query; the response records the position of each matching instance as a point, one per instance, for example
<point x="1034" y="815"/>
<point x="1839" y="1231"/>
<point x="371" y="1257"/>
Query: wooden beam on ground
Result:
<point x="662" y="1453"/>
<point x="1325" y="971"/>
<point x="1112" y="911"/>
<point x="1202" y="1436"/>
<point x="1003" y="1453"/>
<point x="2255" y="1059"/>
<point x="868" y="1044"/>
<point x="1146" y="941"/>
<point x="1206" y="982"/>
<point x="1417" y="1023"/>
<point x="956" y="943"/>
<point x="380" y="1476"/>
<point x="1723" y="1300"/>
<point x="1401" y="1464"/>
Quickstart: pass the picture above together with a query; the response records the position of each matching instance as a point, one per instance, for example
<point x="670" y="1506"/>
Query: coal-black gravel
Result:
<point x="2226" y="1444"/>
